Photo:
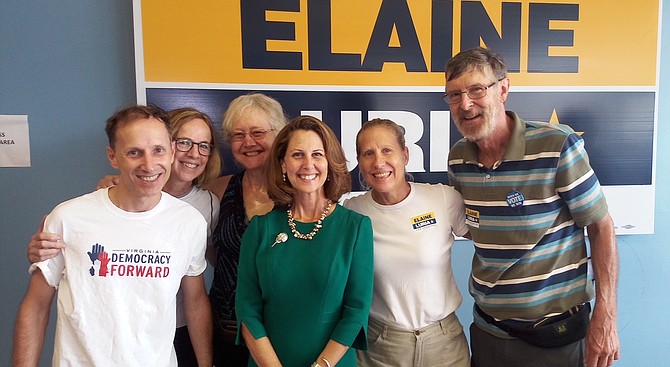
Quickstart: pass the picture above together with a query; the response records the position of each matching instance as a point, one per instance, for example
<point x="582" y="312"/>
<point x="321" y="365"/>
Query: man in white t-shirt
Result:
<point x="130" y="248"/>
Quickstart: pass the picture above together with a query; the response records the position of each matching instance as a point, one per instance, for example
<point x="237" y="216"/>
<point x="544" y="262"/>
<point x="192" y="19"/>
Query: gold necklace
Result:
<point x="317" y="226"/>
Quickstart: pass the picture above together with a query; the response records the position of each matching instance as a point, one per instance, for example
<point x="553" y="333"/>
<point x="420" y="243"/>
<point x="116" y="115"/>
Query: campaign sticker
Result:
<point x="514" y="199"/>
<point x="472" y="218"/>
<point x="424" y="220"/>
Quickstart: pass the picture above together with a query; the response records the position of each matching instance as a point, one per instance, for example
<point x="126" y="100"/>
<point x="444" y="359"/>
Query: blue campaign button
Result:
<point x="514" y="199"/>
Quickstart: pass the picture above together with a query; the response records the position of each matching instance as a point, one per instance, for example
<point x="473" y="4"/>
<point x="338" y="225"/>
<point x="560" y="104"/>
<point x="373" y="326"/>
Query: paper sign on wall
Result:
<point x="14" y="141"/>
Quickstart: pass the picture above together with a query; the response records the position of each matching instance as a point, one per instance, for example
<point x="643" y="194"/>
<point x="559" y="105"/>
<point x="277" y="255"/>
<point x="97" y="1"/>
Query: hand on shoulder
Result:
<point x="107" y="181"/>
<point x="219" y="185"/>
<point x="44" y="245"/>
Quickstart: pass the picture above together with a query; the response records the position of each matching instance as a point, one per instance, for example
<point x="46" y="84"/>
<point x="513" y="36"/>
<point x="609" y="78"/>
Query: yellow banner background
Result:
<point x="200" y="42"/>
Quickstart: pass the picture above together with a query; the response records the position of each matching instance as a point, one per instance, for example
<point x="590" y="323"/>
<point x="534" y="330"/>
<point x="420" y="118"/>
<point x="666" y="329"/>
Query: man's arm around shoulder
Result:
<point x="32" y="321"/>
<point x="198" y="317"/>
<point x="602" y="339"/>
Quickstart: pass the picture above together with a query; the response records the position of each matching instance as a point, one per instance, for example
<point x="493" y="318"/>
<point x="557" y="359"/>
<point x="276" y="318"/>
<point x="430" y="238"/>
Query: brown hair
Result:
<point x="477" y="58"/>
<point x="396" y="129"/>
<point x="132" y="113"/>
<point x="178" y="118"/>
<point x="339" y="179"/>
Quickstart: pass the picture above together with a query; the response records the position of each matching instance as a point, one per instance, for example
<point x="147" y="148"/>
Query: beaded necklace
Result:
<point x="317" y="226"/>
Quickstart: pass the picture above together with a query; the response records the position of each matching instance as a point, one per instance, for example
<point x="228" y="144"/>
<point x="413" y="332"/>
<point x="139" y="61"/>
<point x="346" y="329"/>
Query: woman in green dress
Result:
<point x="305" y="274"/>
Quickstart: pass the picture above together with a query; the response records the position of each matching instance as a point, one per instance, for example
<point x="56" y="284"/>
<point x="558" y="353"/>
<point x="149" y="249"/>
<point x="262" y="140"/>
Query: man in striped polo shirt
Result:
<point x="529" y="191"/>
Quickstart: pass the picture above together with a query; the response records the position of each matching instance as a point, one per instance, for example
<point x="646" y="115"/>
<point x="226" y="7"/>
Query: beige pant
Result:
<point x="440" y="344"/>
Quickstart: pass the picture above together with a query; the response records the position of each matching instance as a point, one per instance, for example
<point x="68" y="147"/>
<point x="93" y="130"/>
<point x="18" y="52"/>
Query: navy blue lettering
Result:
<point x="138" y="258"/>
<point x="394" y="14"/>
<point x="256" y="31"/>
<point x="540" y="37"/>
<point x="321" y="56"/>
<point x="477" y="27"/>
<point x="442" y="19"/>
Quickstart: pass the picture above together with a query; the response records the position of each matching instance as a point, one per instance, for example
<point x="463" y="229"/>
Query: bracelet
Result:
<point x="316" y="364"/>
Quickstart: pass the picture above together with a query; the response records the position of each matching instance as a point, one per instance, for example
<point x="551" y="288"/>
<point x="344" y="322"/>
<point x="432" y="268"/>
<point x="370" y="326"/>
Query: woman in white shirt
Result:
<point x="412" y="320"/>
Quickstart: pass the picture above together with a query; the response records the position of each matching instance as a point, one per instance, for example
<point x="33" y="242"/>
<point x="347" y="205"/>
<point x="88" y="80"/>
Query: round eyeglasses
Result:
<point x="186" y="144"/>
<point x="256" y="134"/>
<point x="474" y="92"/>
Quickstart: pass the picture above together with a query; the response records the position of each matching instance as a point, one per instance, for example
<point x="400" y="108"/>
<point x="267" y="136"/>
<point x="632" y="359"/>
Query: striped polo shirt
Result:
<point x="527" y="217"/>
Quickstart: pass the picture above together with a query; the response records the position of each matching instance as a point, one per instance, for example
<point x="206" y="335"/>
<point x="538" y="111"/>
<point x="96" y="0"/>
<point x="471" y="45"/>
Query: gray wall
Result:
<point x="69" y="64"/>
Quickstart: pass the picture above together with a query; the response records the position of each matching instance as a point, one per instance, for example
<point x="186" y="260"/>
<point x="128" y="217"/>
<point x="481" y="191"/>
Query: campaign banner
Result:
<point x="348" y="61"/>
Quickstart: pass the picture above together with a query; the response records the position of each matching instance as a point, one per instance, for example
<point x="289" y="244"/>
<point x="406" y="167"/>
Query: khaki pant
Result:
<point x="440" y="344"/>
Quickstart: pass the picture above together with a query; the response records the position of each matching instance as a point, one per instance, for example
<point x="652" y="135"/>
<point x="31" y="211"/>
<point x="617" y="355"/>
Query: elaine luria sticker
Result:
<point x="514" y="199"/>
<point x="14" y="141"/>
<point x="424" y="220"/>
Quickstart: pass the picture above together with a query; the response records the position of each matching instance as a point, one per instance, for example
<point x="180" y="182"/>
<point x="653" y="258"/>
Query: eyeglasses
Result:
<point x="185" y="145"/>
<point x="257" y="134"/>
<point x="474" y="92"/>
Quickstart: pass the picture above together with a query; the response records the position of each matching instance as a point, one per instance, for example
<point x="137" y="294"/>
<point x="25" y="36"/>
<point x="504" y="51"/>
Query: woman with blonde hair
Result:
<point x="250" y="126"/>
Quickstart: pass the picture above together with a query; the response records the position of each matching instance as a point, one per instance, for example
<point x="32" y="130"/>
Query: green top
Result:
<point x="301" y="293"/>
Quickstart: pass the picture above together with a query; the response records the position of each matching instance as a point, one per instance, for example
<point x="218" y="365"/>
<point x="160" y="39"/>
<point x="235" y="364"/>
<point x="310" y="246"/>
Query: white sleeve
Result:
<point x="198" y="262"/>
<point x="456" y="209"/>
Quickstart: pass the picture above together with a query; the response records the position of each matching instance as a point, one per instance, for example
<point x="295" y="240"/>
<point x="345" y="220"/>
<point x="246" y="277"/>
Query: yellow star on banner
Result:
<point x="554" y="120"/>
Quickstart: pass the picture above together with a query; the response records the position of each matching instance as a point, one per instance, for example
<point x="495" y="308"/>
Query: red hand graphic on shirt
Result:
<point x="104" y="260"/>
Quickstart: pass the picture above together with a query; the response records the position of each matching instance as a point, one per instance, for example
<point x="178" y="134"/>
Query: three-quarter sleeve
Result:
<point x="248" y="301"/>
<point x="351" y="330"/>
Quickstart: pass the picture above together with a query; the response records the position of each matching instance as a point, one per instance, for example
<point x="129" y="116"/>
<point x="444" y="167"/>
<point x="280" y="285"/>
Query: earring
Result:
<point x="284" y="174"/>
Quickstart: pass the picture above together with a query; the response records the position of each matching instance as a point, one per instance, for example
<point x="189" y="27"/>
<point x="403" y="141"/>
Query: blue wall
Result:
<point x="69" y="64"/>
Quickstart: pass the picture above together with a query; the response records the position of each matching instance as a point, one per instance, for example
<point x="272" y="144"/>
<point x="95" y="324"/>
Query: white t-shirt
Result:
<point x="414" y="285"/>
<point x="118" y="277"/>
<point x="208" y="205"/>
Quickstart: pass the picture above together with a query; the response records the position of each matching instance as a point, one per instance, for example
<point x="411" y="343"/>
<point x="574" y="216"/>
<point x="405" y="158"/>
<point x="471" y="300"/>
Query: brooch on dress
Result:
<point x="281" y="238"/>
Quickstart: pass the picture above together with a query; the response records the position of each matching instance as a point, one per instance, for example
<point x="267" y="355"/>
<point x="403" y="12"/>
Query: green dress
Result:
<point x="301" y="293"/>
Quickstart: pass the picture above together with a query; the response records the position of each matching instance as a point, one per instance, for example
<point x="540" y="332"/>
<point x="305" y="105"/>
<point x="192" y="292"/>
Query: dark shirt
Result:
<point x="226" y="239"/>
